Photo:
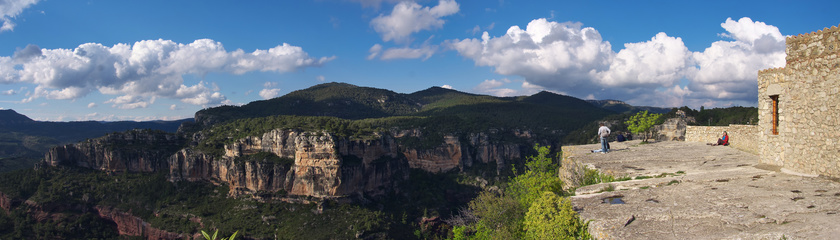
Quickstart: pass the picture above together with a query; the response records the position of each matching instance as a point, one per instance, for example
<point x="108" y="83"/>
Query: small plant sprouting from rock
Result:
<point x="216" y="234"/>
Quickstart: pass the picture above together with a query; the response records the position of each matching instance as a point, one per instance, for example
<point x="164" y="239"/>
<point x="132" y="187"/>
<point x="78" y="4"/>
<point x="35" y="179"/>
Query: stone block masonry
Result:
<point x="799" y="106"/>
<point x="742" y="137"/>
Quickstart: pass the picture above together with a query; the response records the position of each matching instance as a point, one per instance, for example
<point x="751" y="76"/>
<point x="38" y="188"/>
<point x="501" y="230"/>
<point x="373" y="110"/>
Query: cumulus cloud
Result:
<point x="550" y="54"/>
<point x="567" y="57"/>
<point x="662" y="61"/>
<point x="91" y="105"/>
<point x="269" y="93"/>
<point x="729" y="69"/>
<point x="9" y="9"/>
<point x="9" y="92"/>
<point x="409" y="17"/>
<point x="144" y="70"/>
<point x="447" y="86"/>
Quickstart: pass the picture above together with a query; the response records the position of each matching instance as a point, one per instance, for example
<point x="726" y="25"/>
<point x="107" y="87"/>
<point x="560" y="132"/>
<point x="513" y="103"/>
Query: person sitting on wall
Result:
<point x="723" y="141"/>
<point x="620" y="137"/>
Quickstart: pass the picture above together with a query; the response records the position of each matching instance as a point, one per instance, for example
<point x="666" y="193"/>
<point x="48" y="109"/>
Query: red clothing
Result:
<point x="724" y="140"/>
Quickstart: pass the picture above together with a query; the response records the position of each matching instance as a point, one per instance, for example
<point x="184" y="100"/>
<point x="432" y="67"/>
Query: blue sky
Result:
<point x="145" y="60"/>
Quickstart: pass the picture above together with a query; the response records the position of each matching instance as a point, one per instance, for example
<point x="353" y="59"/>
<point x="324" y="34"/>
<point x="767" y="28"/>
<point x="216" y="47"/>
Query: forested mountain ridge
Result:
<point x="348" y="101"/>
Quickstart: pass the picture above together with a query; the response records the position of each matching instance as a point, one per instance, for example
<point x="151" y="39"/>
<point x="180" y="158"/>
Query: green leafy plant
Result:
<point x="642" y="122"/>
<point x="552" y="217"/>
<point x="216" y="234"/>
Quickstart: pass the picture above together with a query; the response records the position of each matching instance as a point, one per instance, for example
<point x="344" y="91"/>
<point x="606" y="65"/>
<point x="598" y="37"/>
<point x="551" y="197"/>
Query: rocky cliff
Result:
<point x="132" y="151"/>
<point x="130" y="225"/>
<point x="301" y="163"/>
<point x="323" y="165"/>
<point x="673" y="129"/>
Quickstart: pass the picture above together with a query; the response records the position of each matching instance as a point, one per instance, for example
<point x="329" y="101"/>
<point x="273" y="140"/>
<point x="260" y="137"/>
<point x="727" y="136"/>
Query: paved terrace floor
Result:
<point x="719" y="193"/>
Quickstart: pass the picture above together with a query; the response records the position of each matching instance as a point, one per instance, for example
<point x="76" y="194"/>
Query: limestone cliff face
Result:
<point x="447" y="156"/>
<point x="453" y="153"/>
<point x="488" y="152"/>
<point x="324" y="165"/>
<point x="319" y="164"/>
<point x="242" y="177"/>
<point x="132" y="151"/>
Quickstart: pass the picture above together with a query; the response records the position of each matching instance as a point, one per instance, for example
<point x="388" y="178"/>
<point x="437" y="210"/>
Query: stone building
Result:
<point x="799" y="106"/>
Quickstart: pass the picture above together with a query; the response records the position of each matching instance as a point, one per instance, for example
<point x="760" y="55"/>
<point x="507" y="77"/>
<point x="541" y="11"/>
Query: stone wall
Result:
<point x="808" y="91"/>
<point x="743" y="137"/>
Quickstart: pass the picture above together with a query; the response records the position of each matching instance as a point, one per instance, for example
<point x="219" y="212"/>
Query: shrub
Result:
<point x="552" y="217"/>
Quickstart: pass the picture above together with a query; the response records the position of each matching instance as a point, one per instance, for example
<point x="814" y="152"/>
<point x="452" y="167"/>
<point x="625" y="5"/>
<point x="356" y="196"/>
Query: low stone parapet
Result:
<point x="742" y="137"/>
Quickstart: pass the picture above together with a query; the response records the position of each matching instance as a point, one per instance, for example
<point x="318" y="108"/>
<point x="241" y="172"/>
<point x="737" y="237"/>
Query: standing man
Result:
<point x="603" y="132"/>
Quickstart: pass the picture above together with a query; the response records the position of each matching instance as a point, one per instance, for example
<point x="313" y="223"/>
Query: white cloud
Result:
<point x="131" y="102"/>
<point x="91" y="105"/>
<point x="174" y="107"/>
<point x="321" y="78"/>
<point x="270" y="84"/>
<point x="409" y="17"/>
<point x="662" y="61"/>
<point x="146" y="69"/>
<point x="375" y="50"/>
<point x="729" y="69"/>
<point x="551" y="54"/>
<point x="501" y="88"/>
<point x="447" y="86"/>
<point x="10" y="9"/>
<point x="9" y="92"/>
<point x="269" y="93"/>
<point x="568" y="58"/>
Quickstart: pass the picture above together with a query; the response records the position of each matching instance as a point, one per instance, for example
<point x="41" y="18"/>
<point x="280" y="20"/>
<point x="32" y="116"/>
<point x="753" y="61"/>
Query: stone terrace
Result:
<point x="708" y="193"/>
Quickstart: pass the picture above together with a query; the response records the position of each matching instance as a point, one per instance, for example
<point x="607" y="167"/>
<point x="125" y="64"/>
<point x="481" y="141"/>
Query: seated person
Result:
<point x="620" y="138"/>
<point x="724" y="140"/>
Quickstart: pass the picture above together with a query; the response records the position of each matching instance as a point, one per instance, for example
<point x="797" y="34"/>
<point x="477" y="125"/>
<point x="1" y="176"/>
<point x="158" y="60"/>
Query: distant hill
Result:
<point x="330" y="99"/>
<point x="10" y="117"/>
<point x="622" y="107"/>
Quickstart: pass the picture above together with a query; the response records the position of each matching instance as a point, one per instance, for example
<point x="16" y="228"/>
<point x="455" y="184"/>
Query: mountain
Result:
<point x="330" y="99"/>
<point x="622" y="107"/>
<point x="10" y="117"/>
<point x="544" y="110"/>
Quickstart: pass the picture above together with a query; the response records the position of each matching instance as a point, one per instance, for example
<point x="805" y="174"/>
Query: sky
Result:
<point x="63" y="60"/>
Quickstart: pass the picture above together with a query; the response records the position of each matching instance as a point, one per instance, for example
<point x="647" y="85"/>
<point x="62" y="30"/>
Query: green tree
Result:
<point x="642" y="122"/>
<point x="540" y="176"/>
<point x="552" y="217"/>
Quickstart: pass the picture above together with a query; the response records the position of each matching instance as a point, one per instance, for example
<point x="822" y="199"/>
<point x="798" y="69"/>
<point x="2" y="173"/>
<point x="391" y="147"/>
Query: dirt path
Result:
<point x="705" y="193"/>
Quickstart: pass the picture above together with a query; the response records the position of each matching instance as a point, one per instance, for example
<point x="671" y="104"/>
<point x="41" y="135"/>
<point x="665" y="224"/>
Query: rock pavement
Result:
<point x="696" y="191"/>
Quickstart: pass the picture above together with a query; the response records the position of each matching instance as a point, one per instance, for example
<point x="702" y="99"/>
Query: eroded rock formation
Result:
<point x="132" y="151"/>
<point x="317" y="164"/>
